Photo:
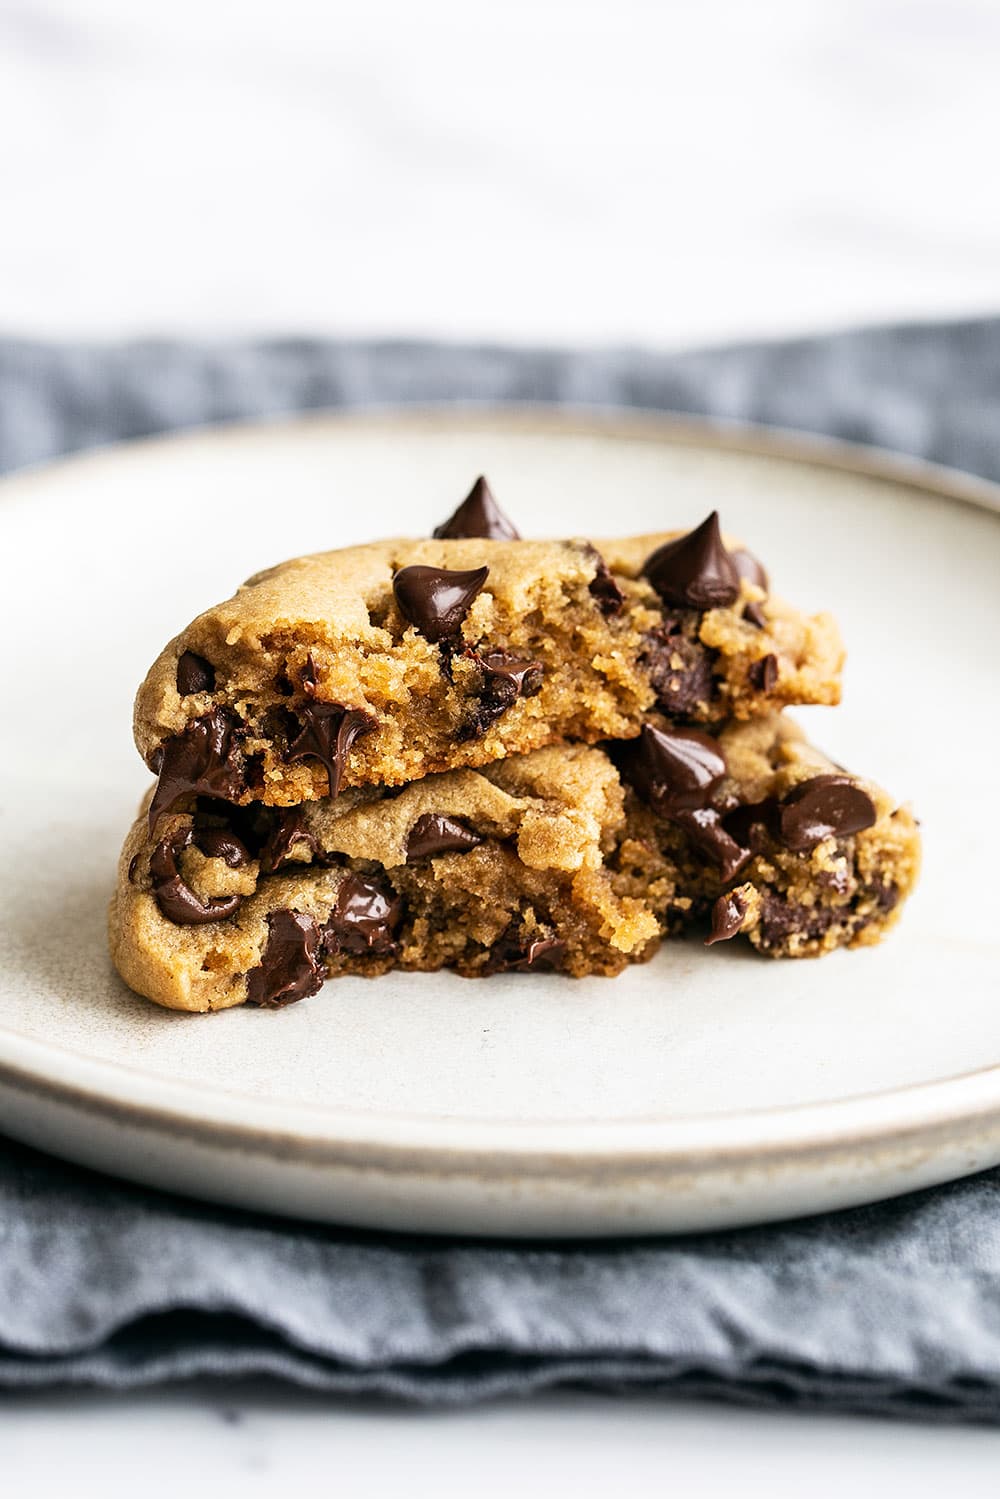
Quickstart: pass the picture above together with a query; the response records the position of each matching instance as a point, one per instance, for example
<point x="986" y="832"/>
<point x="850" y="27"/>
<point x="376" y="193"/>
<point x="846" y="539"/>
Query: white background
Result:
<point x="604" y="170"/>
<point x="581" y="170"/>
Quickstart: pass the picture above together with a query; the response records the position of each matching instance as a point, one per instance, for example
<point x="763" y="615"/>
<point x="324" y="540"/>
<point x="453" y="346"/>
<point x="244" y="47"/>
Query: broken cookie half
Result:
<point x="557" y="860"/>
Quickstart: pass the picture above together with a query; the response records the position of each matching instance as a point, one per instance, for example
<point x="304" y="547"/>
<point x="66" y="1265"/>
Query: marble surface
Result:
<point x="576" y="170"/>
<point x="570" y="170"/>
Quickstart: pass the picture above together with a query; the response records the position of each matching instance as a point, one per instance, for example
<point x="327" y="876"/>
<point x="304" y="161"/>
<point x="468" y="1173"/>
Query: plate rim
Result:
<point x="909" y="1113"/>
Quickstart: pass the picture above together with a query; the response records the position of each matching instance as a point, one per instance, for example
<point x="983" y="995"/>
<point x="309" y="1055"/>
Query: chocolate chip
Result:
<point x="436" y="599"/>
<point x="753" y="823"/>
<point x="748" y="567"/>
<point x="825" y="806"/>
<point x="205" y="758"/>
<point x="727" y="917"/>
<point x="364" y="918"/>
<point x="679" y="667"/>
<point x="504" y="679"/>
<point x="677" y="769"/>
<point x="754" y="615"/>
<point x="763" y="674"/>
<point x="512" y="954"/>
<point x="176" y="900"/>
<point x="326" y="733"/>
<point x="433" y="833"/>
<point x="194" y="674"/>
<point x="604" y="590"/>
<point x="706" y="831"/>
<point x="479" y="515"/>
<point x="695" y="571"/>
<point x="781" y="918"/>
<point x="291" y="967"/>
<point x="221" y="843"/>
<point x="288" y="827"/>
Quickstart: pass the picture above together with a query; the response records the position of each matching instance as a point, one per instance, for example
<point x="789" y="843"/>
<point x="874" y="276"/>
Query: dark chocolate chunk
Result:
<point x="705" y="829"/>
<point x="433" y="833"/>
<point x="205" y="758"/>
<point x="221" y="843"/>
<point x="288" y="827"/>
<point x="753" y="823"/>
<point x="194" y="674"/>
<point x="748" y="567"/>
<point x="326" y="733"/>
<point x="436" y="599"/>
<point x="679" y="667"/>
<point x="364" y="918"/>
<point x="763" y="674"/>
<point x="727" y="917"/>
<point x="512" y="954"/>
<point x="291" y="967"/>
<point x="479" y="515"/>
<point x="677" y="769"/>
<point x="604" y="590"/>
<point x="754" y="615"/>
<point x="825" y="806"/>
<point x="176" y="900"/>
<point x="504" y="678"/>
<point x="781" y="918"/>
<point x="695" y="571"/>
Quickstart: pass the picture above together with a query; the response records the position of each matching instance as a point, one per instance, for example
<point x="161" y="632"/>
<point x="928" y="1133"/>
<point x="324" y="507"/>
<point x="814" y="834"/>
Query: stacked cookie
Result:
<point x="492" y="755"/>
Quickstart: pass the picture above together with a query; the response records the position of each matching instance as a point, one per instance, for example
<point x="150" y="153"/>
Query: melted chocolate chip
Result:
<point x="825" y="806"/>
<point x="433" y="834"/>
<point x="705" y="829"/>
<point x="194" y="674"/>
<point x="176" y="900"/>
<point x="205" y="758"/>
<point x="288" y="827"/>
<point x="479" y="515"/>
<point x="748" y="567"/>
<point x="291" y="966"/>
<point x="677" y="769"/>
<point x="364" y="918"/>
<point x="435" y="599"/>
<point x="505" y="678"/>
<point x="604" y="590"/>
<point x="695" y="571"/>
<point x="727" y="917"/>
<point x="512" y="954"/>
<point x="754" y="615"/>
<point x="326" y="733"/>
<point x="679" y="667"/>
<point x="780" y="919"/>
<point x="753" y="823"/>
<point x="763" y="674"/>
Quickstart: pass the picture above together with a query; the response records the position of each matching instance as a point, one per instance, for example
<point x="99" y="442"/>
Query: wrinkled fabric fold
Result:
<point x="892" y="1309"/>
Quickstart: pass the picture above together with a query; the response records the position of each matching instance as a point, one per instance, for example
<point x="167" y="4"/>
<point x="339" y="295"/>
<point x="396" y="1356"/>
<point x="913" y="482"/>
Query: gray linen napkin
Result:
<point x="886" y="1309"/>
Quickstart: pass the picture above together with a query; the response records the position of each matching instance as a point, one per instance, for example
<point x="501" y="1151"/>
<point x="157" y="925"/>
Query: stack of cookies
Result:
<point x="493" y="755"/>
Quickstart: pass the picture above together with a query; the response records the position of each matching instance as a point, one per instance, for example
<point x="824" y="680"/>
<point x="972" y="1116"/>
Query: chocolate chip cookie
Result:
<point x="554" y="860"/>
<point x="767" y="837"/>
<point x="380" y="664"/>
<point x="490" y="871"/>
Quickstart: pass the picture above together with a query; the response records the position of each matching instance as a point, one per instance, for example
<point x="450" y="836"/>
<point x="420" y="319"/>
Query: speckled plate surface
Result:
<point x="706" y="1088"/>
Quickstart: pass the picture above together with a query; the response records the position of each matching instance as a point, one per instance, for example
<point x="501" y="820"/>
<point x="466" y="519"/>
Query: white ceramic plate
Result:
<point x="707" y="1088"/>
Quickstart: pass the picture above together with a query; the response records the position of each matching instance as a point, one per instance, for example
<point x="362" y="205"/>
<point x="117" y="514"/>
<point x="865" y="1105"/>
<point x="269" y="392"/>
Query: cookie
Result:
<point x="768" y="838"/>
<point x="490" y="871"/>
<point x="553" y="860"/>
<point x="381" y="664"/>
